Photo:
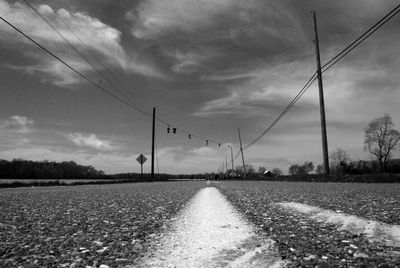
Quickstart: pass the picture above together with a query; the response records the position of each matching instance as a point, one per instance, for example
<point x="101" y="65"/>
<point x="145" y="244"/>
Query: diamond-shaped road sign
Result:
<point x="141" y="159"/>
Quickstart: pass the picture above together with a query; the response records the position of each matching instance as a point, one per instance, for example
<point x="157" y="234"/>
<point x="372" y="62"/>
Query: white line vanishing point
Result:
<point x="374" y="230"/>
<point x="210" y="233"/>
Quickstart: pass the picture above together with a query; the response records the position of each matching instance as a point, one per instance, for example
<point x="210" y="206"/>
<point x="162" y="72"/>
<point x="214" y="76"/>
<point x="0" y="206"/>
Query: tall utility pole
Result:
<point x="321" y="99"/>
<point x="152" y="142"/>
<point x="226" y="167"/>
<point x="223" y="172"/>
<point x="241" y="150"/>
<point x="233" y="168"/>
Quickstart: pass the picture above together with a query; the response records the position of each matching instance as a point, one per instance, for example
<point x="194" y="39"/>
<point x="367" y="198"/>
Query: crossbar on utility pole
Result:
<point x="241" y="150"/>
<point x="321" y="98"/>
<point x="152" y="142"/>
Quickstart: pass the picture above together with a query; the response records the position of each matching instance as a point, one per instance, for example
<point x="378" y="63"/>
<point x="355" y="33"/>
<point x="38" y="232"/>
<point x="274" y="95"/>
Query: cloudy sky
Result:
<point x="209" y="67"/>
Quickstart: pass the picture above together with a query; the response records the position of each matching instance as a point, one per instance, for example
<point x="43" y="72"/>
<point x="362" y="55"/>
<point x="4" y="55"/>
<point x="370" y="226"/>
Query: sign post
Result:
<point x="141" y="159"/>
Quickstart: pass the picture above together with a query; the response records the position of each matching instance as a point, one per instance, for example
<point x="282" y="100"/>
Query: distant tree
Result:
<point x="306" y="168"/>
<point x="261" y="170"/>
<point x="24" y="169"/>
<point x="381" y="139"/>
<point x="320" y="169"/>
<point x="362" y="167"/>
<point x="276" y="171"/>
<point x="239" y="170"/>
<point x="394" y="166"/>
<point x="249" y="170"/>
<point x="339" y="160"/>
<point x="293" y="169"/>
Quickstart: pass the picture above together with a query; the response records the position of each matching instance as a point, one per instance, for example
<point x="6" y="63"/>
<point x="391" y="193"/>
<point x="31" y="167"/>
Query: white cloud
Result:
<point x="187" y="62"/>
<point x="262" y="90"/>
<point x="89" y="140"/>
<point x="103" y="39"/>
<point x="155" y="17"/>
<point x="204" y="151"/>
<point x="20" y="124"/>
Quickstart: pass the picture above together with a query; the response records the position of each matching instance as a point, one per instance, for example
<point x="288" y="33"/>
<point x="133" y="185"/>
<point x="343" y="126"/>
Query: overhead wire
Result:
<point x="362" y="37"/>
<point x="91" y="52"/>
<point x="326" y="67"/>
<point x="287" y="108"/>
<point x="101" y="88"/>
<point x="85" y="58"/>
<point x="77" y="50"/>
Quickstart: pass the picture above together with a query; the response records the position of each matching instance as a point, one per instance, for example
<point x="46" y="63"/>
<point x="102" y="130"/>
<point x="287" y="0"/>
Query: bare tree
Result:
<point x="306" y="168"/>
<point x="249" y="170"/>
<point x="338" y="159"/>
<point x="261" y="170"/>
<point x="381" y="139"/>
<point x="320" y="169"/>
<point x="277" y="171"/>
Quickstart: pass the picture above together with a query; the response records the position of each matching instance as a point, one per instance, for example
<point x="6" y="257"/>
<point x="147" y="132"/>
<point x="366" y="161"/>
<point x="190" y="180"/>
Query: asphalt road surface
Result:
<point x="201" y="224"/>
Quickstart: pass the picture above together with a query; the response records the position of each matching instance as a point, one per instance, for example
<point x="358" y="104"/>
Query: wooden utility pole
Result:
<point x="241" y="150"/>
<point x="152" y="142"/>
<point x="223" y="172"/>
<point x="233" y="168"/>
<point x="321" y="99"/>
<point x="226" y="167"/>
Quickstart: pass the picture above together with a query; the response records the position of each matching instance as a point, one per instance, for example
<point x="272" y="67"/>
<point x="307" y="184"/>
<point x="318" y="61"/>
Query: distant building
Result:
<point x="268" y="173"/>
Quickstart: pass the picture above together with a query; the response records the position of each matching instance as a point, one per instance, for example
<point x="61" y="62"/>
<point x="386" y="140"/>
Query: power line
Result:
<point x="86" y="59"/>
<point x="93" y="54"/>
<point x="326" y="67"/>
<point x="104" y="90"/>
<point x="282" y="114"/>
<point x="286" y="110"/>
<point x="362" y="37"/>
<point x="76" y="50"/>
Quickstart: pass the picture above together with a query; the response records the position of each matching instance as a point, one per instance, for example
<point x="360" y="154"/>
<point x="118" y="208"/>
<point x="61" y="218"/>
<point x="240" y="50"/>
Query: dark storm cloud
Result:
<point x="217" y="36"/>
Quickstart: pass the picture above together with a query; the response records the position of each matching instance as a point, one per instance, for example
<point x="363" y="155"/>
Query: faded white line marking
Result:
<point x="210" y="233"/>
<point x="374" y="230"/>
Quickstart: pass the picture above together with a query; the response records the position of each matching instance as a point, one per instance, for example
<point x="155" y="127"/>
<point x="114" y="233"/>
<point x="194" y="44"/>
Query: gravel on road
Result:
<point x="308" y="243"/>
<point x="117" y="225"/>
<point x="82" y="226"/>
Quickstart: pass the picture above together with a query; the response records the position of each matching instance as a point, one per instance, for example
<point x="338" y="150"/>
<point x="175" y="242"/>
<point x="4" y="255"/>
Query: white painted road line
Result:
<point x="375" y="231"/>
<point x="210" y="233"/>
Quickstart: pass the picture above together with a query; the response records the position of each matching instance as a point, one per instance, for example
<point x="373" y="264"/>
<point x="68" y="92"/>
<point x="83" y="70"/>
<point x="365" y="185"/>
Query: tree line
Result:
<point x="25" y="169"/>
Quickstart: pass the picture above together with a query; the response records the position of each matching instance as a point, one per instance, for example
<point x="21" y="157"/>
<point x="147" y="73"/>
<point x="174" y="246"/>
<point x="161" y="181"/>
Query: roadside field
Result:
<point x="121" y="225"/>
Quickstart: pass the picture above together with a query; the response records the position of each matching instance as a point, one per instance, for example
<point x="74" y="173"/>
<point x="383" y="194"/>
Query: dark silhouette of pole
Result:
<point x="152" y="142"/>
<point x="321" y="99"/>
<point x="222" y="173"/>
<point x="226" y="167"/>
<point x="241" y="150"/>
<point x="233" y="168"/>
